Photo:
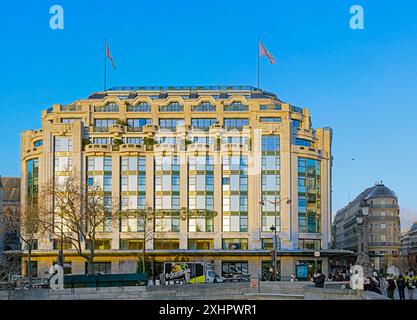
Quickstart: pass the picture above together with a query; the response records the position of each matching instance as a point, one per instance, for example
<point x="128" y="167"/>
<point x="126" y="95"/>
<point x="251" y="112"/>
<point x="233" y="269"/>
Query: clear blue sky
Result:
<point x="362" y="83"/>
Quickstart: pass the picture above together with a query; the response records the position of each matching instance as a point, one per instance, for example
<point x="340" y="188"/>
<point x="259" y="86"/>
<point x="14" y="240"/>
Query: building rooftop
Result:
<point x="381" y="191"/>
<point x="193" y="91"/>
<point x="377" y="191"/>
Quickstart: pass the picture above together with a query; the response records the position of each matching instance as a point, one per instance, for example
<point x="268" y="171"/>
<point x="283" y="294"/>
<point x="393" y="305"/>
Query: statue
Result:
<point x="357" y="279"/>
<point x="56" y="282"/>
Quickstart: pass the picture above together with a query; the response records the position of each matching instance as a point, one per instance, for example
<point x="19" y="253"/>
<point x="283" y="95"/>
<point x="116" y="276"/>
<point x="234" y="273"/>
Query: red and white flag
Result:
<point x="109" y="56"/>
<point x="264" y="53"/>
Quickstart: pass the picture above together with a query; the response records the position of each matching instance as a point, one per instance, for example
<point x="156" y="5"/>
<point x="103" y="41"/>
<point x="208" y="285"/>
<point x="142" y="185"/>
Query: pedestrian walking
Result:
<point x="401" y="284"/>
<point x="390" y="287"/>
<point x="411" y="282"/>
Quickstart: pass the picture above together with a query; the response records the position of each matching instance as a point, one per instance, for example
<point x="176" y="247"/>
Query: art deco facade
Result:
<point x="204" y="158"/>
<point x="383" y="227"/>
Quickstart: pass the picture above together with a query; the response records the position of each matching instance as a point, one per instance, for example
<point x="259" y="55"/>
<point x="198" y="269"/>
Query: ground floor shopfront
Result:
<point x="303" y="263"/>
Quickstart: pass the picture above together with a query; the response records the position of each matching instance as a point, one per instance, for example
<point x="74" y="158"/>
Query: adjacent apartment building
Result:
<point x="409" y="248"/>
<point x="225" y="164"/>
<point x="382" y="223"/>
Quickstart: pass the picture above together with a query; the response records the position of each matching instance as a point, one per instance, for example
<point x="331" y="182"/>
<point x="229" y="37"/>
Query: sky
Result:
<point x="361" y="83"/>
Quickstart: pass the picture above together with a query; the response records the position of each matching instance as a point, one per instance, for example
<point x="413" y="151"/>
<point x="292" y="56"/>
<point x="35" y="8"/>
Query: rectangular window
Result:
<point x="166" y="244"/>
<point x="200" y="244"/>
<point x="235" y="244"/>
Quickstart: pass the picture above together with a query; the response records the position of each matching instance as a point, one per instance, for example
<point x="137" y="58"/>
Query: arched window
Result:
<point x="204" y="107"/>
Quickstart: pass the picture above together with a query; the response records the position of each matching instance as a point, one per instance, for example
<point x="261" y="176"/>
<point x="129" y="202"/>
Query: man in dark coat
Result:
<point x="401" y="284"/>
<point x="319" y="279"/>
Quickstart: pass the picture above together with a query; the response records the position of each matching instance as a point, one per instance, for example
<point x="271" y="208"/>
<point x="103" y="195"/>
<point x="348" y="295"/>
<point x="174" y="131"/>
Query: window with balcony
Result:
<point x="170" y="124"/>
<point x="140" y="107"/>
<point x="202" y="123"/>
<point x="236" y="106"/>
<point x="172" y="107"/>
<point x="110" y="107"/>
<point x="103" y="125"/>
<point x="204" y="107"/>
<point x="136" y="125"/>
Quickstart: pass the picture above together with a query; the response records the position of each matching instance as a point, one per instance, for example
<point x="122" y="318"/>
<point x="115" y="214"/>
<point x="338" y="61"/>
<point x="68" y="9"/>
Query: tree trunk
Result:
<point x="90" y="269"/>
<point x="29" y="265"/>
<point x="143" y="260"/>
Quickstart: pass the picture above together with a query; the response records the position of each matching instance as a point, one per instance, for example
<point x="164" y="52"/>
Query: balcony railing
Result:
<point x="70" y="108"/>
<point x="384" y="244"/>
<point x="101" y="129"/>
<point x="134" y="129"/>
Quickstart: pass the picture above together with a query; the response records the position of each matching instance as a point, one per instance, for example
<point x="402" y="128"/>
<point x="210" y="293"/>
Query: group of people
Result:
<point x="389" y="283"/>
<point x="377" y="283"/>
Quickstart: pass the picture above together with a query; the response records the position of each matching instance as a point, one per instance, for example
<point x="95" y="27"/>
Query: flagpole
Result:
<point x="258" y="62"/>
<point x="105" y="64"/>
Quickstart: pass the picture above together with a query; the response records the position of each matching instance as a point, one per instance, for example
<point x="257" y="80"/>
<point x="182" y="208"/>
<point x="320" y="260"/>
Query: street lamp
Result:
<point x="274" y="263"/>
<point x="363" y="253"/>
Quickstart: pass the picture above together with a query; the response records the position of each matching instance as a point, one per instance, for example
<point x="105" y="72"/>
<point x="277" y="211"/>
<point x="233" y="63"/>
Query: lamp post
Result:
<point x="274" y="263"/>
<point x="363" y="253"/>
<point x="273" y="229"/>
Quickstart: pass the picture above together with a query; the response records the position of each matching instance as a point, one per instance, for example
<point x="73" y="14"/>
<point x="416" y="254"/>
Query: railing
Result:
<point x="101" y="129"/>
<point x="382" y="206"/>
<point x="70" y="108"/>
<point x="384" y="244"/>
<point x="166" y="88"/>
<point x="134" y="129"/>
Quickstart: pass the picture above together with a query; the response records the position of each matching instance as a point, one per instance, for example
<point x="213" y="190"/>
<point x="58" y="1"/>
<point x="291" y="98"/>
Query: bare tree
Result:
<point x="76" y="213"/>
<point x="26" y="225"/>
<point x="146" y="224"/>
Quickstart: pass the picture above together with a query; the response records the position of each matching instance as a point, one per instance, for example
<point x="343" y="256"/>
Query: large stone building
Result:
<point x="409" y="248"/>
<point x="186" y="150"/>
<point x="382" y="223"/>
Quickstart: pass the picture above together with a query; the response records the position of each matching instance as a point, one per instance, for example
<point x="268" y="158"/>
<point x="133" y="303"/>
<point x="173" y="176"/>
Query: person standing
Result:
<point x="319" y="279"/>
<point x="411" y="284"/>
<point x="390" y="287"/>
<point x="401" y="284"/>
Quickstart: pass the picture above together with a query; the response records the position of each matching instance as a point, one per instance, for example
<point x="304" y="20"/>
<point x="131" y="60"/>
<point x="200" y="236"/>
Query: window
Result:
<point x="133" y="140"/>
<point x="235" y="123"/>
<point x="137" y="124"/>
<point x="172" y="107"/>
<point x="270" y="107"/>
<point x="303" y="142"/>
<point x="100" y="267"/>
<point x="110" y="107"/>
<point x="270" y="119"/>
<point x="296" y="123"/>
<point x="100" y="244"/>
<point x="383" y="237"/>
<point x="170" y="123"/>
<point x="235" y="244"/>
<point x="382" y="225"/>
<point x="166" y="244"/>
<point x="200" y="244"/>
<point x="231" y="268"/>
<point x="63" y="144"/>
<point x="309" y="196"/>
<point x="166" y="221"/>
<point x="101" y="140"/>
<point x="38" y="143"/>
<point x="236" y="106"/>
<point x="131" y="244"/>
<point x="204" y="107"/>
<point x="102" y="125"/>
<point x="140" y="107"/>
<point x="69" y="120"/>
<point x="309" y="244"/>
<point x="202" y="123"/>
<point x="267" y="244"/>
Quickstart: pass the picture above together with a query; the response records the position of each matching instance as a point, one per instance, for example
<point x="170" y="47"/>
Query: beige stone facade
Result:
<point x="106" y="137"/>
<point x="383" y="224"/>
